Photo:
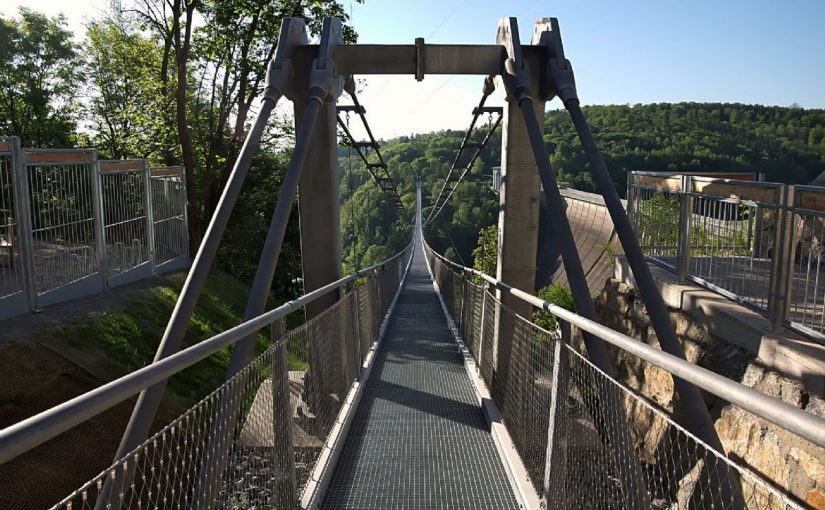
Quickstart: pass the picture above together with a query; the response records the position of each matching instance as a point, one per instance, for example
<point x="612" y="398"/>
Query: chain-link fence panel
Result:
<point x="272" y="419"/>
<point x="571" y="424"/>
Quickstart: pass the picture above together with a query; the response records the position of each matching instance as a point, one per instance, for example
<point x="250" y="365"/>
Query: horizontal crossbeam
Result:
<point x="479" y="59"/>
<point x="351" y="108"/>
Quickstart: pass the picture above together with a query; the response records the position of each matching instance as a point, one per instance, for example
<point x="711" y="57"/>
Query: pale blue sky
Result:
<point x="631" y="51"/>
<point x="623" y="52"/>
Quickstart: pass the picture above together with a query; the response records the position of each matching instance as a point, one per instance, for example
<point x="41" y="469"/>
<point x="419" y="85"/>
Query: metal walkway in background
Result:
<point x="419" y="439"/>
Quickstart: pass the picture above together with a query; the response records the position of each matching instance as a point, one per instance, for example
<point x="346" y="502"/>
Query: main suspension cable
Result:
<point x="379" y="171"/>
<point x="449" y="186"/>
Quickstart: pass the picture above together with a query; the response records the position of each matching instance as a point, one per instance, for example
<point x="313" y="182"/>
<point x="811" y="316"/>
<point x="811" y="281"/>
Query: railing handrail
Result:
<point x="798" y="421"/>
<point x="699" y="174"/>
<point x="31" y="432"/>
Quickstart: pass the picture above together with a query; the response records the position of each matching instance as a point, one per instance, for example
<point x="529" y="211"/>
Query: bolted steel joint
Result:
<point x="277" y="79"/>
<point x="489" y="86"/>
<point x="349" y="85"/>
<point x="321" y="80"/>
<point x="562" y="79"/>
<point x="515" y="80"/>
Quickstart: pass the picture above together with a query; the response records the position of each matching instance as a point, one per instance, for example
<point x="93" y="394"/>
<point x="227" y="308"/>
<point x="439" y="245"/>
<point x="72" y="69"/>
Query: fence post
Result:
<point x="183" y="185"/>
<point x="25" y="235"/>
<point x="149" y="207"/>
<point x="685" y="214"/>
<point x="356" y="328"/>
<point x="481" y="325"/>
<point x="555" y="461"/>
<point x="757" y="225"/>
<point x="461" y="317"/>
<point x="629" y="194"/>
<point x="100" y="231"/>
<point x="284" y="454"/>
<point x="784" y="253"/>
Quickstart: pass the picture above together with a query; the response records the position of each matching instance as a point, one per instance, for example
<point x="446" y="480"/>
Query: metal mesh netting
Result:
<point x="553" y="395"/>
<point x="252" y="443"/>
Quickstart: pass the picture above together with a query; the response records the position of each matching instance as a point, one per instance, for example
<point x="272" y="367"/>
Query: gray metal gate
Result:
<point x="127" y="232"/>
<point x="13" y="297"/>
<point x="171" y="239"/>
<point x="66" y="227"/>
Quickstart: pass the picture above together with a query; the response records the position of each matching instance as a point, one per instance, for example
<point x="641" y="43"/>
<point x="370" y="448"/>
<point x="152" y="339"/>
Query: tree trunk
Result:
<point x="181" y="59"/>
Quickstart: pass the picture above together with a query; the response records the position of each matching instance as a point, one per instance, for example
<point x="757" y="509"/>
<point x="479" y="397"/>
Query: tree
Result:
<point x="556" y="294"/>
<point x="232" y="50"/>
<point x="127" y="109"/>
<point x="485" y="256"/>
<point x="38" y="79"/>
<point x="220" y="50"/>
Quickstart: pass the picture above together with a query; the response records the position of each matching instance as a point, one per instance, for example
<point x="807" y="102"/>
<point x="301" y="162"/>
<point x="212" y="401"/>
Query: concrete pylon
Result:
<point x="518" y="218"/>
<point x="320" y="221"/>
<point x="318" y="209"/>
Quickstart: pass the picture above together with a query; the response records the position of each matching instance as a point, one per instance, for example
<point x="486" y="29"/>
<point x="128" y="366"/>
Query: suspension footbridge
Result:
<point x="423" y="383"/>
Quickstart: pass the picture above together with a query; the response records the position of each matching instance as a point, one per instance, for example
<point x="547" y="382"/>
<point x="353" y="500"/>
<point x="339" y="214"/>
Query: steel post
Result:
<point x="356" y="329"/>
<point x="629" y="192"/>
<point x="757" y="224"/>
<point x="555" y="461"/>
<point x="286" y="491"/>
<point x="685" y="216"/>
<point x="783" y="256"/>
<point x="22" y="204"/>
<point x="150" y="215"/>
<point x="100" y="231"/>
<point x="481" y="326"/>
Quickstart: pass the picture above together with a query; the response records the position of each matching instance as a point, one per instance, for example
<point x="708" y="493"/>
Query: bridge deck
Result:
<point x="419" y="439"/>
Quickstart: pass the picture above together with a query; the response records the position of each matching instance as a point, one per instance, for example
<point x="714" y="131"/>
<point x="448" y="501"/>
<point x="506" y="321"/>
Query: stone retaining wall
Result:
<point x="791" y="463"/>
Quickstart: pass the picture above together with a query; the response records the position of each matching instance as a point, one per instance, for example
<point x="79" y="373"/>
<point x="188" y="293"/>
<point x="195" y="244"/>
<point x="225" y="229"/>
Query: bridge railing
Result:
<point x="759" y="243"/>
<point x="290" y="396"/>
<point x="554" y="406"/>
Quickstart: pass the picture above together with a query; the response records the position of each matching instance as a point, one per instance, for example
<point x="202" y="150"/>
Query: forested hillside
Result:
<point x="788" y="144"/>
<point x="178" y="85"/>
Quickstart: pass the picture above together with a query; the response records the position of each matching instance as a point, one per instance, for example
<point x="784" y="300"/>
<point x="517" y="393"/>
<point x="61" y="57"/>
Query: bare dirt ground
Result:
<point x="38" y="374"/>
<point x="35" y="378"/>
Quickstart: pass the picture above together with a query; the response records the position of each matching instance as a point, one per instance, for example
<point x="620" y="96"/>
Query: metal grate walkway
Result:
<point x="419" y="439"/>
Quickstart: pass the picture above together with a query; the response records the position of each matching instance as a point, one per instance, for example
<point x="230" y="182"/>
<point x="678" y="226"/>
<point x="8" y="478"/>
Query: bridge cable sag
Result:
<point x="351" y="205"/>
<point x="379" y="171"/>
<point x="448" y="188"/>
